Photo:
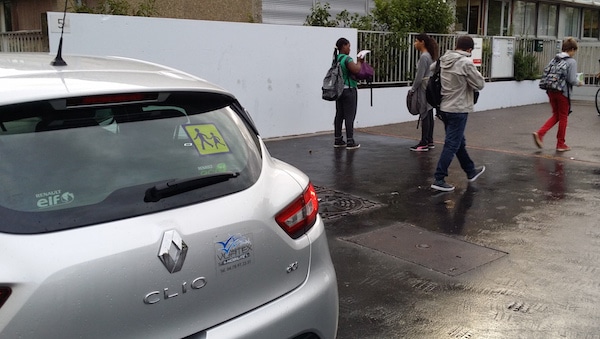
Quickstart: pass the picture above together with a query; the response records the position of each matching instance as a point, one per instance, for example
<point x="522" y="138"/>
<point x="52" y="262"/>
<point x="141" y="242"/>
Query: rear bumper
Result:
<point x="312" y="307"/>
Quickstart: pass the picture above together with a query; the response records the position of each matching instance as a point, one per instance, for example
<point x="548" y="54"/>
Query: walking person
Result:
<point x="429" y="53"/>
<point x="345" y="105"/>
<point x="460" y="79"/>
<point x="560" y="101"/>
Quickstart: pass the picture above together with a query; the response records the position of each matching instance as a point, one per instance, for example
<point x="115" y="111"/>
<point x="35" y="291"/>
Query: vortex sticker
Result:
<point x="234" y="253"/>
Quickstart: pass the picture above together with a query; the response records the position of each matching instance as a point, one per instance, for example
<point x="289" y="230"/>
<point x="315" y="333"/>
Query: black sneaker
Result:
<point x="419" y="148"/>
<point x="443" y="186"/>
<point x="478" y="171"/>
<point x="352" y="145"/>
<point x="431" y="145"/>
<point x="339" y="143"/>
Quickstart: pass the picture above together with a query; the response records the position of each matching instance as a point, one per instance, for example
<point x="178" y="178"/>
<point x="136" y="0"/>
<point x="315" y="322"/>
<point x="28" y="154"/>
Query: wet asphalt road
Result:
<point x="514" y="255"/>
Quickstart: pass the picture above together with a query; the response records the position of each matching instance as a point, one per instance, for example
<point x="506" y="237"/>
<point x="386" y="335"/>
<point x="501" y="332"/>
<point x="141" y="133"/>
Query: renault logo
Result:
<point x="172" y="251"/>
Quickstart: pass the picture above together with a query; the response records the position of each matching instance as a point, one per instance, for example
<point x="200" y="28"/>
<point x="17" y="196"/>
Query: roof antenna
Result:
<point x="58" y="61"/>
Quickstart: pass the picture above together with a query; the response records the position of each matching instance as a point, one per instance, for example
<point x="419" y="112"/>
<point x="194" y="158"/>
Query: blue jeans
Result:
<point x="454" y="144"/>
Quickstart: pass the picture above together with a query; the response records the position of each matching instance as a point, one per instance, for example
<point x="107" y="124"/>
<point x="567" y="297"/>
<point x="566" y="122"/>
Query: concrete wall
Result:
<point x="276" y="71"/>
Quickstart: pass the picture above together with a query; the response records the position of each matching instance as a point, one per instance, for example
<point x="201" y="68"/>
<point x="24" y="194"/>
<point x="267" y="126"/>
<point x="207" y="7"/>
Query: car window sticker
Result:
<point x="206" y="138"/>
<point x="212" y="169"/>
<point x="54" y="198"/>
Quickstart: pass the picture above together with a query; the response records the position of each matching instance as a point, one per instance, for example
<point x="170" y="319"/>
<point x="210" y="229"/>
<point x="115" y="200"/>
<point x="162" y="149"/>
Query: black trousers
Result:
<point x="427" y="128"/>
<point x="345" y="111"/>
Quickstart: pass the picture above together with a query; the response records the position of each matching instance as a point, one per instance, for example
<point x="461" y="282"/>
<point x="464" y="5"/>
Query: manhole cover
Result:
<point x="334" y="204"/>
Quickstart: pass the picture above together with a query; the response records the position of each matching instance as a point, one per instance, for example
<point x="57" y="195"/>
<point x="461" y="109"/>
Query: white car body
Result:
<point x="216" y="267"/>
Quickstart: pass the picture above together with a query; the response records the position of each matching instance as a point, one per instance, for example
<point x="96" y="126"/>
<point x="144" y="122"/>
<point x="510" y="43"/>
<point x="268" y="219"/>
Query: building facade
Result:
<point x="542" y="19"/>
<point x="553" y="19"/>
<point x="20" y="15"/>
<point x="525" y="18"/>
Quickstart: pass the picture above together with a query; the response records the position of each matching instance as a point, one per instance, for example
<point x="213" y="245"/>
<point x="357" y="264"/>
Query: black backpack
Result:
<point x="434" y="87"/>
<point x="333" y="83"/>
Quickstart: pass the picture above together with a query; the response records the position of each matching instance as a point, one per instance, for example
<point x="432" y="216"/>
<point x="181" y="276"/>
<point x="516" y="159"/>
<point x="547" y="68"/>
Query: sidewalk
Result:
<point x="514" y="255"/>
<point x="510" y="130"/>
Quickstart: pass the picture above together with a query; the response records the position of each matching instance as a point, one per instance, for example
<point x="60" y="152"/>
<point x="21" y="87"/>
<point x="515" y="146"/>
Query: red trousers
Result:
<point x="560" y="115"/>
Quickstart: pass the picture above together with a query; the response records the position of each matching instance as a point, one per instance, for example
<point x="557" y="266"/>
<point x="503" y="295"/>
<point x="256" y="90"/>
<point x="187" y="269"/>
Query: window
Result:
<point x="467" y="16"/>
<point x="5" y="16"/>
<point x="85" y="165"/>
<point x="590" y="23"/>
<point x="547" y="19"/>
<point x="571" y="22"/>
<point x="498" y="12"/>
<point x="524" y="18"/>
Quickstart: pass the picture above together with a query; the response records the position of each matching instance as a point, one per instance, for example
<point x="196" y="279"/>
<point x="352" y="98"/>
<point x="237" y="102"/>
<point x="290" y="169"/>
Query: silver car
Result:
<point x="138" y="201"/>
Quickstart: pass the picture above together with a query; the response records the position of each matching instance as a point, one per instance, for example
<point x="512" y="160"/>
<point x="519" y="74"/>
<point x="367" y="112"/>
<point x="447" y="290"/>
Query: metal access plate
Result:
<point x="435" y="251"/>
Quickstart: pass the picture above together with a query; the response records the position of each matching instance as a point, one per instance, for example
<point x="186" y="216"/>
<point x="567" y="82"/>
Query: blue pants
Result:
<point x="454" y="144"/>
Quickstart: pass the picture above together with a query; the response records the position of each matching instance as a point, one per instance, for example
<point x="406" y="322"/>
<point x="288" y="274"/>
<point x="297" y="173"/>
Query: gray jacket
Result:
<point x="420" y="83"/>
<point x="460" y="78"/>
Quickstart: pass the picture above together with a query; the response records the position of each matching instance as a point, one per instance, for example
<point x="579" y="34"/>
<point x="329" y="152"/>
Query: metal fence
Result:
<point x="394" y="58"/>
<point x="24" y="41"/>
<point x="588" y="61"/>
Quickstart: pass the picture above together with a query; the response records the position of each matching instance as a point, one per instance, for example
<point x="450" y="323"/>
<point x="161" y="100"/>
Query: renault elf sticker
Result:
<point x="212" y="169"/>
<point x="54" y="198"/>
<point x="206" y="138"/>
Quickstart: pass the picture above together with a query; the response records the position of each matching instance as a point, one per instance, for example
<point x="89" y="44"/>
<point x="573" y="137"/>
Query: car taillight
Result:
<point x="4" y="294"/>
<point x="299" y="216"/>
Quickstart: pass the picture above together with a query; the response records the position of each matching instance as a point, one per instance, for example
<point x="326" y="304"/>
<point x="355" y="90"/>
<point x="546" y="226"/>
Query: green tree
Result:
<point x="116" y="7"/>
<point x="393" y="15"/>
<point x="146" y="8"/>
<point x="401" y="16"/>
<point x="398" y="16"/>
<point x="431" y="16"/>
<point x="320" y="16"/>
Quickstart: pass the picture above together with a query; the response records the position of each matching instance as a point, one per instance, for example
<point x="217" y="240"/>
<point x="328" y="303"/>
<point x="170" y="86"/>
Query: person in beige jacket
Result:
<point x="460" y="80"/>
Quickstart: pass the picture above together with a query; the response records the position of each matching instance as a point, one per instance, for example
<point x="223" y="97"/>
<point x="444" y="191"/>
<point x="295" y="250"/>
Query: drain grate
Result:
<point x="335" y="204"/>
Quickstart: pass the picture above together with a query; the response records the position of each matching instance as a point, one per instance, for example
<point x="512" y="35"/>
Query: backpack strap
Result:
<point x="569" y="97"/>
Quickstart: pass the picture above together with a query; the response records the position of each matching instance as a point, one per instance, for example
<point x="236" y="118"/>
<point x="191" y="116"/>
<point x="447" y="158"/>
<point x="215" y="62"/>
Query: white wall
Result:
<point x="276" y="71"/>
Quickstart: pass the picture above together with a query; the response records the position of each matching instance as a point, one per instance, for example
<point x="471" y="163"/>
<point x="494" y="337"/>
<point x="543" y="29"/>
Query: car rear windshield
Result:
<point x="82" y="161"/>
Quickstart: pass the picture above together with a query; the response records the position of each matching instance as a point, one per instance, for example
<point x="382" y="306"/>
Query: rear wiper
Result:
<point x="174" y="187"/>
